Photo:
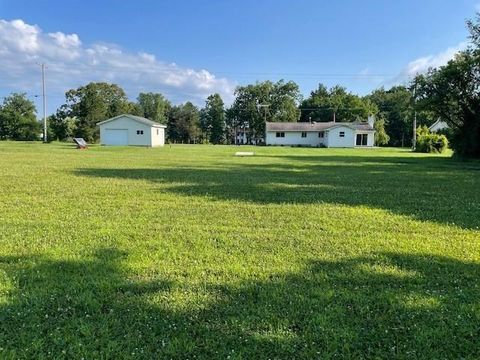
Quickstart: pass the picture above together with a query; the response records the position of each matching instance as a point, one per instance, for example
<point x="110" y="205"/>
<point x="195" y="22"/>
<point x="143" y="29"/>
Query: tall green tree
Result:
<point x="213" y="119"/>
<point x="335" y="103"/>
<point x="396" y="107"/>
<point x="264" y="101"/>
<point x="452" y="92"/>
<point x="184" y="123"/>
<point x="381" y="136"/>
<point x="18" y="120"/>
<point x="95" y="102"/>
<point x="153" y="106"/>
<point x="61" y="127"/>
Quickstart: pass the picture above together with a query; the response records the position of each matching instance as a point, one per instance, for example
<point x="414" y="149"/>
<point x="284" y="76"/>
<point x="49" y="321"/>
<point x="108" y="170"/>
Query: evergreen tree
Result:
<point x="213" y="119"/>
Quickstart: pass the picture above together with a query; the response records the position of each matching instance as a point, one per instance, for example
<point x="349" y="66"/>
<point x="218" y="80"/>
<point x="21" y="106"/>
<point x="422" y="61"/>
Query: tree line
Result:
<point x="450" y="93"/>
<point x="254" y="104"/>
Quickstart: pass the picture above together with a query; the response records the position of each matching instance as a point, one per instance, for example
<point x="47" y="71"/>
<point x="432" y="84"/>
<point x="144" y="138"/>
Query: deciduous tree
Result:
<point x="335" y="103"/>
<point x="452" y="92"/>
<point x="264" y="101"/>
<point x="153" y="106"/>
<point x="18" y="118"/>
<point x="93" y="103"/>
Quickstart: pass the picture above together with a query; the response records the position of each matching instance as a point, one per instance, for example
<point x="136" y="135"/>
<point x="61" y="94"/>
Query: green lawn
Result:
<point x="191" y="252"/>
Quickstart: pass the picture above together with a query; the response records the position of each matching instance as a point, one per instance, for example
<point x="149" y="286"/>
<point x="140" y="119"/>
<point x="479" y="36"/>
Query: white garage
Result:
<point x="126" y="129"/>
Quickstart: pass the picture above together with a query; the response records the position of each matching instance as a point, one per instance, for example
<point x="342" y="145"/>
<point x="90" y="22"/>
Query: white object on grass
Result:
<point x="244" y="153"/>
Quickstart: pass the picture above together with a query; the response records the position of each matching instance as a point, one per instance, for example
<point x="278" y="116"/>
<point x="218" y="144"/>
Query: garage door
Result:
<point x="115" y="137"/>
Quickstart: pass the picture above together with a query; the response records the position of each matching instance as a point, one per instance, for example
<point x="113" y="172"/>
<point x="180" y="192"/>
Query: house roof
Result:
<point x="135" y="118"/>
<point x="315" y="126"/>
<point x="439" y="123"/>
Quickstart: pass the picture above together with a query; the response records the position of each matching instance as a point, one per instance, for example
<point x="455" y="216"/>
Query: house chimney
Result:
<point x="371" y="120"/>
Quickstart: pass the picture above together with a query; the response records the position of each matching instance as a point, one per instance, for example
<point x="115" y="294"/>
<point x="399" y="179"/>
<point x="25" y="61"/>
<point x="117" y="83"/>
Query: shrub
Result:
<point x="428" y="142"/>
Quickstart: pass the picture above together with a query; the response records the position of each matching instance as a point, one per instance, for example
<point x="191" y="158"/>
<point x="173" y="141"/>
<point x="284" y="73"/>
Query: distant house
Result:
<point x="328" y="134"/>
<point x="126" y="129"/>
<point x="438" y="125"/>
<point x="241" y="136"/>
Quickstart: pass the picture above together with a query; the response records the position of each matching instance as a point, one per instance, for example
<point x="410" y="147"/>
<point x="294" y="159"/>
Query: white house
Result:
<point x="328" y="134"/>
<point x="128" y="129"/>
<point x="438" y="125"/>
<point x="241" y="136"/>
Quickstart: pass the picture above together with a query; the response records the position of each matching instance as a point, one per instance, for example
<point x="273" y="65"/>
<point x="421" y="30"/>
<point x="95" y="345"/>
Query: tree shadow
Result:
<point x="380" y="306"/>
<point x="72" y="309"/>
<point x="428" y="189"/>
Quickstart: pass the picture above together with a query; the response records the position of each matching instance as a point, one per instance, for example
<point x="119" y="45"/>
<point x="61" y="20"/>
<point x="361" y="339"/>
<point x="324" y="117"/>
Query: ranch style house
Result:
<point x="321" y="134"/>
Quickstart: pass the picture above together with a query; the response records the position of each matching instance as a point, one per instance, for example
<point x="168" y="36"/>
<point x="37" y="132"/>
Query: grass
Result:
<point x="190" y="252"/>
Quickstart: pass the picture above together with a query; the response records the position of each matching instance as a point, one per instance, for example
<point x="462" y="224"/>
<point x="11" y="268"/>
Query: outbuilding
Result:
<point x="126" y="129"/>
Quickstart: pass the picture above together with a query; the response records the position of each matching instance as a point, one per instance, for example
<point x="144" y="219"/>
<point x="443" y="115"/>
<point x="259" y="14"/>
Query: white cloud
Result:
<point x="72" y="64"/>
<point x="66" y="41"/>
<point x="422" y="64"/>
<point x="18" y="36"/>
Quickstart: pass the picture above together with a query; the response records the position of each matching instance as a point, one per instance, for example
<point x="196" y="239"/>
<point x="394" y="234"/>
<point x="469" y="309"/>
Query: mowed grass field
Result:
<point x="189" y="252"/>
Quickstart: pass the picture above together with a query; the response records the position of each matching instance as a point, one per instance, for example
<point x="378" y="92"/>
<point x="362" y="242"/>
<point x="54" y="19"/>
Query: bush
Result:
<point x="428" y="142"/>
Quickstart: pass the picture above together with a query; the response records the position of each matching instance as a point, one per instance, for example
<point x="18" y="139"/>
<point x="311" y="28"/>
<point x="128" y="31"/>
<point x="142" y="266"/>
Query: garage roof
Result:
<point x="136" y="118"/>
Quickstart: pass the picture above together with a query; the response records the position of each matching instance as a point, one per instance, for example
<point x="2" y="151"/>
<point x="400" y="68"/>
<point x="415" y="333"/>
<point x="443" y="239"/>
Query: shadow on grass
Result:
<point x="431" y="189"/>
<point x="384" y="306"/>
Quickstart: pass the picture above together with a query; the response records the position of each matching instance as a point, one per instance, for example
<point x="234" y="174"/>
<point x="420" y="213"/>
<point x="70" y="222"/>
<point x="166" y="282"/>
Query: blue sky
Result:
<point x="188" y="49"/>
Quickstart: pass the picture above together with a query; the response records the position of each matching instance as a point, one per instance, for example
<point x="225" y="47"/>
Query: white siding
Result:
<point x="158" y="136"/>
<point x="331" y="138"/>
<point x="334" y="139"/>
<point x="295" y="138"/>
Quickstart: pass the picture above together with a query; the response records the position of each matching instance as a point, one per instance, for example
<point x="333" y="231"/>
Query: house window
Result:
<point x="139" y="132"/>
<point x="304" y="134"/>
<point x="362" y="139"/>
<point x="280" y="134"/>
<point x="342" y="134"/>
<point x="158" y="132"/>
<point x="321" y="134"/>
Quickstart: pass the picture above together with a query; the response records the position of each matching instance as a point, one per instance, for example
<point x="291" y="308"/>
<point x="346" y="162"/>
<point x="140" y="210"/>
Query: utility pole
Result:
<point x="414" y="138"/>
<point x="44" y="96"/>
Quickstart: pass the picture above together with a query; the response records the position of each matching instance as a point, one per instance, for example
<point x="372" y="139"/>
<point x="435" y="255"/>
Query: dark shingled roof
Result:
<point x="315" y="126"/>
